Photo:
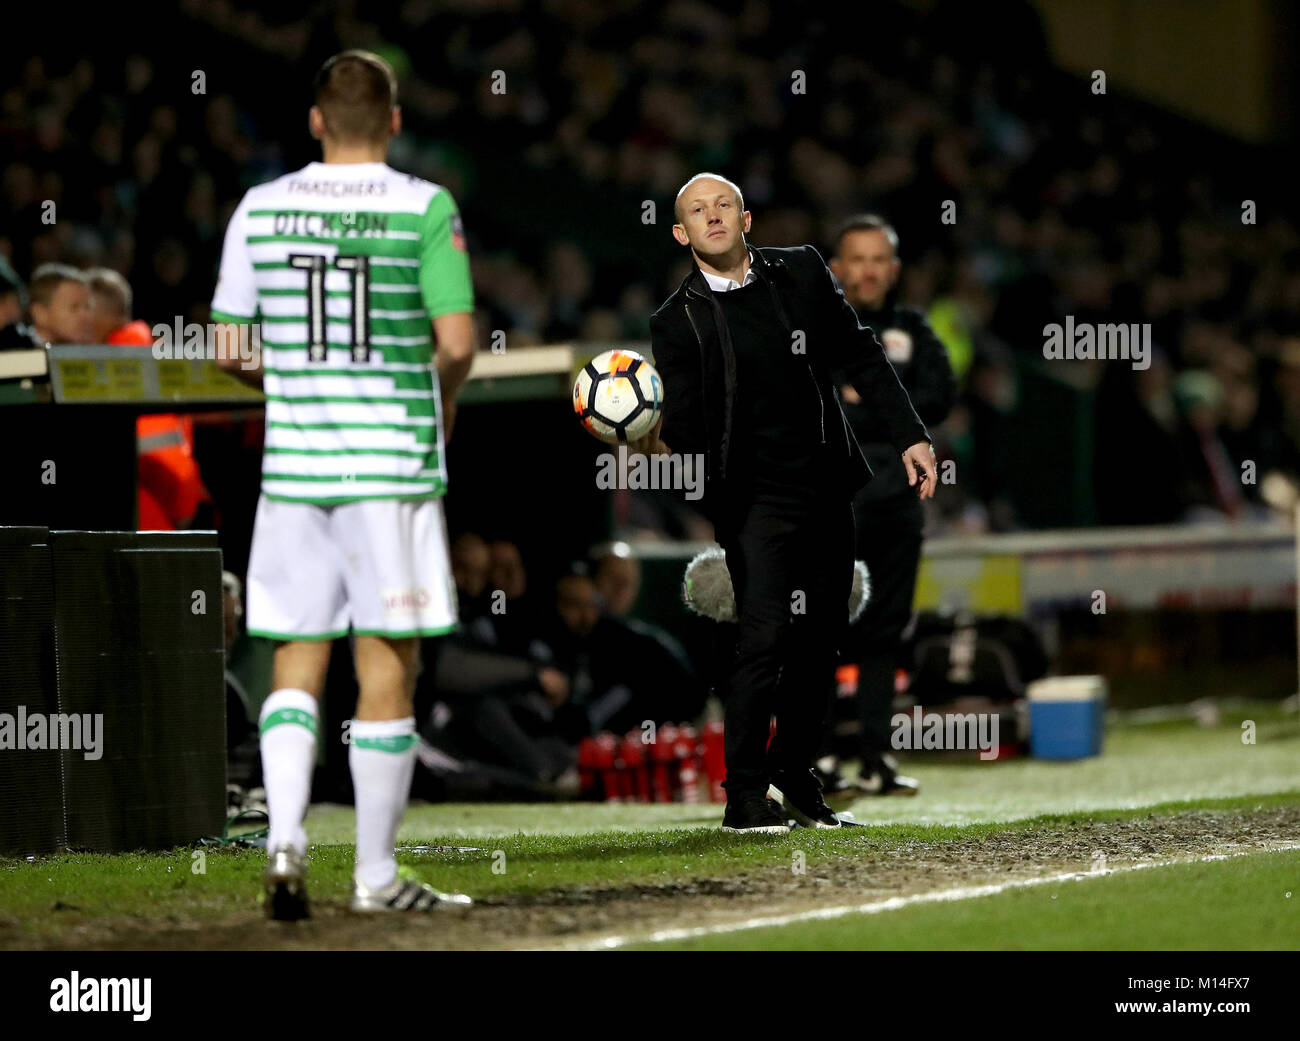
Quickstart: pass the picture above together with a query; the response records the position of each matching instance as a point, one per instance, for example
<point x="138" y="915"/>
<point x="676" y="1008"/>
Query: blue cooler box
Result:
<point x="1067" y="716"/>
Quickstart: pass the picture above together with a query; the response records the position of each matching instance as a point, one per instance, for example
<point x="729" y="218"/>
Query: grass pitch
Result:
<point x="582" y="874"/>
<point x="1243" y="902"/>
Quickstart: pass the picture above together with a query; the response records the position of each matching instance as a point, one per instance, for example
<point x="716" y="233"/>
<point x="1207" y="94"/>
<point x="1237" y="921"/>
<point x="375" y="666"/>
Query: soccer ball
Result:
<point x="618" y="396"/>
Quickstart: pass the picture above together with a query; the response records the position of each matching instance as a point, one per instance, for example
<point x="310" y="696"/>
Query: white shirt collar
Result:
<point x="724" y="285"/>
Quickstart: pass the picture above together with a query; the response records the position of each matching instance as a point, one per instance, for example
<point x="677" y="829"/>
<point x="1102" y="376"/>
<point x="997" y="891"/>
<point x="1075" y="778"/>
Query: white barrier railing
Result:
<point x="1225" y="566"/>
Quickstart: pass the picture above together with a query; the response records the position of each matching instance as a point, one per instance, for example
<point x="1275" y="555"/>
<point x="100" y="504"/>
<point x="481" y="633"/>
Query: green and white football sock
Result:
<point x="382" y="758"/>
<point x="287" y="724"/>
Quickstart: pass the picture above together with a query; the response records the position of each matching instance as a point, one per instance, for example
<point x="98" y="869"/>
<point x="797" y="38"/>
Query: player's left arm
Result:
<point x="454" y="358"/>
<point x="448" y="294"/>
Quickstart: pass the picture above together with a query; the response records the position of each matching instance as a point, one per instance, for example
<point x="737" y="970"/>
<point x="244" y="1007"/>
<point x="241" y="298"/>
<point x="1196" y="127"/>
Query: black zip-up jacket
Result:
<point x="921" y="362"/>
<point x="695" y="356"/>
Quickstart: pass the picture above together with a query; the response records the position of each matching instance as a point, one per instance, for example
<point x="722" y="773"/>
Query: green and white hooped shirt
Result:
<point x="345" y="266"/>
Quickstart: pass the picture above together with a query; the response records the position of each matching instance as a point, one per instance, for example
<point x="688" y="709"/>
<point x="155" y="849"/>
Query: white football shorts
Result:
<point x="379" y="567"/>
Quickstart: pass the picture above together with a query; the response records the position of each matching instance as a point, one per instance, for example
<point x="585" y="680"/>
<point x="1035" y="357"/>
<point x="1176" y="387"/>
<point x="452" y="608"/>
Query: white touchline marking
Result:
<point x="892" y="903"/>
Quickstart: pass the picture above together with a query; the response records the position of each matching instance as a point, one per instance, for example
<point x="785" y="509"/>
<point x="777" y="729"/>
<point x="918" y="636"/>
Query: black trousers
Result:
<point x="791" y="568"/>
<point x="889" y="540"/>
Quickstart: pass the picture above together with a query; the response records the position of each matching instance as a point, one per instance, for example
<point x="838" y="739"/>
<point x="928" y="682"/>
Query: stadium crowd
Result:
<point x="1062" y="206"/>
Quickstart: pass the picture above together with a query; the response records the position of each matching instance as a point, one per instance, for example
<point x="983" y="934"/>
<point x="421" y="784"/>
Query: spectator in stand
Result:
<point x="506" y="569"/>
<point x="489" y="705"/>
<point x="1285" y="394"/>
<point x="498" y="709"/>
<point x="619" y="675"/>
<point x="470" y="561"/>
<point x="110" y="296"/>
<point x="618" y="581"/>
<point x="514" y="625"/>
<point x="170" y="488"/>
<point x="1139" y="408"/>
<point x="60" y="302"/>
<point x="1215" y="490"/>
<point x="15" y="334"/>
<point x="618" y="577"/>
<point x="13" y="293"/>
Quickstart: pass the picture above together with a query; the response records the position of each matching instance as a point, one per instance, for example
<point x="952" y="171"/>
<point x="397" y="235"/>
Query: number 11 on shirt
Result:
<point x="359" y="296"/>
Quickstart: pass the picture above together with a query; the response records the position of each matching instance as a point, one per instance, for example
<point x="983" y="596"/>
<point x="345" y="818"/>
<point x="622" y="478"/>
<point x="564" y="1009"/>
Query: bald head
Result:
<point x="706" y="186"/>
<point x="711" y="219"/>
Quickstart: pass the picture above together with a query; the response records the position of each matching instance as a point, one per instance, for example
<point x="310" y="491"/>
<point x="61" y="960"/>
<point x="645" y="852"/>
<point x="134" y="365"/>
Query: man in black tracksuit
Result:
<point x="746" y="347"/>
<point x="887" y="513"/>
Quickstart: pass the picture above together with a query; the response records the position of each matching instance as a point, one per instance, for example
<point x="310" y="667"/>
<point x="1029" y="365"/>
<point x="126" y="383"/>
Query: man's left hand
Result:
<point x="919" y="462"/>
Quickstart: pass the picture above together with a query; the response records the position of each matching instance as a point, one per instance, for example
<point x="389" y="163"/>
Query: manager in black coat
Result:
<point x="747" y="347"/>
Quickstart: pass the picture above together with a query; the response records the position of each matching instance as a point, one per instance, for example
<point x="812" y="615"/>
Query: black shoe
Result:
<point x="754" y="814"/>
<point x="804" y="802"/>
<point x="880" y="776"/>
<point x="838" y="792"/>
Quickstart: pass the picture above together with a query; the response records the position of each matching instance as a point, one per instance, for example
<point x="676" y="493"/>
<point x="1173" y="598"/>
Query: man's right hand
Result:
<point x="650" y="443"/>
<point x="920" y="464"/>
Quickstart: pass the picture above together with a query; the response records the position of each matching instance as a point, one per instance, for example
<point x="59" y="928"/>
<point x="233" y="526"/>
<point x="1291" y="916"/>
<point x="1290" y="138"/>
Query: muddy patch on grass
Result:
<point x="578" y="914"/>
